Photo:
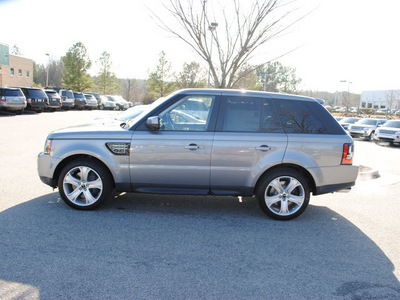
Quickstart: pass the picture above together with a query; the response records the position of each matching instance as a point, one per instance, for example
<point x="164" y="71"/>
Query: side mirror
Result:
<point x="153" y="123"/>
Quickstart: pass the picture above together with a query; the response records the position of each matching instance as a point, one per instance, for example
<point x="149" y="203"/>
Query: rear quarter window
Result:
<point x="306" y="117"/>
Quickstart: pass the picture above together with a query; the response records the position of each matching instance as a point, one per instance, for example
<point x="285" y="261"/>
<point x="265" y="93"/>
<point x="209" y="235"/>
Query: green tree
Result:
<point x="158" y="82"/>
<point x="77" y="63"/>
<point x="191" y="76"/>
<point x="39" y="75"/>
<point x="275" y="77"/>
<point x="106" y="80"/>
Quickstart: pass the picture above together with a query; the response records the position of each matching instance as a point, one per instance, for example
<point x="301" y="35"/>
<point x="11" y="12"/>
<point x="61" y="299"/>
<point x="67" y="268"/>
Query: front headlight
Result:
<point x="47" y="146"/>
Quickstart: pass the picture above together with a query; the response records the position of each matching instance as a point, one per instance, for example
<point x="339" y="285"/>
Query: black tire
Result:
<point x="20" y="112"/>
<point x="85" y="191"/>
<point x="292" y="198"/>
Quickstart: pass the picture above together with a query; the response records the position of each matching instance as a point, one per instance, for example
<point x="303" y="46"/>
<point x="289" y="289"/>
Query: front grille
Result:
<point x="384" y="131"/>
<point x="357" y="128"/>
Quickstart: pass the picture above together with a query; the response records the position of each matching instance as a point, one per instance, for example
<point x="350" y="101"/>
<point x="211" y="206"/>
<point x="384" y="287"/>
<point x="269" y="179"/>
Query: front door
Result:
<point x="175" y="159"/>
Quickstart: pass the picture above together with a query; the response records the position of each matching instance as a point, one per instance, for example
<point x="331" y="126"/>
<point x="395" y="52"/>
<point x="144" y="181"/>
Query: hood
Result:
<point x="92" y="131"/>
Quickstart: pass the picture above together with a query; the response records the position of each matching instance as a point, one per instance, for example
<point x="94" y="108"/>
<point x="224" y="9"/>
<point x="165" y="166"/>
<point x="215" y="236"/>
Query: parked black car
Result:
<point x="54" y="100"/>
<point x="36" y="99"/>
<point x="80" y="100"/>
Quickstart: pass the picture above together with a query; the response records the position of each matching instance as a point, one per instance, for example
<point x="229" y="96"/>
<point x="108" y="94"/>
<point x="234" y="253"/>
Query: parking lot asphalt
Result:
<point x="345" y="246"/>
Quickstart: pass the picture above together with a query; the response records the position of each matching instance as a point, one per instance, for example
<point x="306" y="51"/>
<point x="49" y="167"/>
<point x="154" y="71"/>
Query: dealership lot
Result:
<point x="345" y="246"/>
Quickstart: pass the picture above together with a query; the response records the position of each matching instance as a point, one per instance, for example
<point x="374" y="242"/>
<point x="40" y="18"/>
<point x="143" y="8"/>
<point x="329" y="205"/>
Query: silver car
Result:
<point x="12" y="99"/>
<point x="279" y="148"/>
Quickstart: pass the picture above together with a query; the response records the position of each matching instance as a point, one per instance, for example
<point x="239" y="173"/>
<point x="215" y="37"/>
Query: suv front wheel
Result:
<point x="84" y="184"/>
<point x="283" y="194"/>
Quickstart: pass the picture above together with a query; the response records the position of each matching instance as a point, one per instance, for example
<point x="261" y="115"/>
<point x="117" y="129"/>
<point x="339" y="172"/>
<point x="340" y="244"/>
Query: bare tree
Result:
<point x="392" y="100"/>
<point x="242" y="31"/>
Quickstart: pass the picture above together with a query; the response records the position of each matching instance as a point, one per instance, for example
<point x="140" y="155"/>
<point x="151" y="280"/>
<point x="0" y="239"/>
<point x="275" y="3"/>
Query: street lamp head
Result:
<point x="213" y="26"/>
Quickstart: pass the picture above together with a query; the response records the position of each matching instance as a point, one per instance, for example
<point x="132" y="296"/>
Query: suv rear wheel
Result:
<point x="284" y="194"/>
<point x="84" y="184"/>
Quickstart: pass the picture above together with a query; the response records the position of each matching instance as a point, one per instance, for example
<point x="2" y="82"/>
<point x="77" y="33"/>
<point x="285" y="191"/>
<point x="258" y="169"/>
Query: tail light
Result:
<point x="348" y="153"/>
<point x="3" y="98"/>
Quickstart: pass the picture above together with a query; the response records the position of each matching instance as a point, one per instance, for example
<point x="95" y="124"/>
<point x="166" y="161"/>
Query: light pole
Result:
<point x="47" y="75"/>
<point x="348" y="94"/>
<point x="212" y="27"/>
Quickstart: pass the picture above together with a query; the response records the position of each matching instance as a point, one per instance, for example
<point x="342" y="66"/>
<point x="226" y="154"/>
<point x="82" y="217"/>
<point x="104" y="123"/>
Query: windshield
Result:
<point x="349" y="120"/>
<point x="367" y="122"/>
<point x="131" y="113"/>
<point x="393" y="124"/>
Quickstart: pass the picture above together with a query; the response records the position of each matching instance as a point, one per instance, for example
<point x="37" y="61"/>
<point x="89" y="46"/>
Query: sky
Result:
<point x="356" y="41"/>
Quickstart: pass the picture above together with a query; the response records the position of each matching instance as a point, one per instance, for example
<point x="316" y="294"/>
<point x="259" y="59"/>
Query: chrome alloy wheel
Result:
<point x="82" y="185"/>
<point x="284" y="195"/>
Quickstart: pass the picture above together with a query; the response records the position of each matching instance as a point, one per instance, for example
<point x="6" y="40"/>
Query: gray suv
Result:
<point x="279" y="148"/>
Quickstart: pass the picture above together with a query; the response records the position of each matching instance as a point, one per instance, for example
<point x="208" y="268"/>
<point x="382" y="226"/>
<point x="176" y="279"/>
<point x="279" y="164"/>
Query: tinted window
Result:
<point x="269" y="120"/>
<point x="298" y="117"/>
<point x="12" y="93"/>
<point x="79" y="96"/>
<point x="36" y="94"/>
<point x="242" y="114"/>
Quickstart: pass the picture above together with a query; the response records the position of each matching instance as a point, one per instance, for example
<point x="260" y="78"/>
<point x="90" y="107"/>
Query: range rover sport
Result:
<point x="279" y="148"/>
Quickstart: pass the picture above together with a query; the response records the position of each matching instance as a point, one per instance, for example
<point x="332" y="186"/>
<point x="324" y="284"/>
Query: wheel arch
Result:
<point x="307" y="175"/>
<point x="71" y="158"/>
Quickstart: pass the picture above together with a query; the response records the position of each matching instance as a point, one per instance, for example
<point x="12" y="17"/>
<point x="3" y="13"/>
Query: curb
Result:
<point x="367" y="173"/>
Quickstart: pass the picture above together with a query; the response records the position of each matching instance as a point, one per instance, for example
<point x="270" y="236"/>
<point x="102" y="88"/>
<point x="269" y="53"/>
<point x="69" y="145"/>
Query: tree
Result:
<point x="133" y="90"/>
<point x="15" y="50"/>
<point x="191" y="76"/>
<point x="158" y="82"/>
<point x="276" y="77"/>
<point x="56" y="69"/>
<point x="76" y="63"/>
<point x="106" y="80"/>
<point x="39" y="75"/>
<point x="242" y="32"/>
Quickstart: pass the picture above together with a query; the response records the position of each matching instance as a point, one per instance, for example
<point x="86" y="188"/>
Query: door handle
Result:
<point x="193" y="147"/>
<point x="264" y="148"/>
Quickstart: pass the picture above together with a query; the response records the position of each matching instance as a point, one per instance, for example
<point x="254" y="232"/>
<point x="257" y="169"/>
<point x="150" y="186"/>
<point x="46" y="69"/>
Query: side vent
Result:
<point x="119" y="148"/>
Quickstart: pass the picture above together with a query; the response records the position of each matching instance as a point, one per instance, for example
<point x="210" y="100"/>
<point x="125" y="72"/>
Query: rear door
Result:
<point x="249" y="139"/>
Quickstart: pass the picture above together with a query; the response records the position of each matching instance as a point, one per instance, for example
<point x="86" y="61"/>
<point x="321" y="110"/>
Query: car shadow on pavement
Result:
<point x="166" y="247"/>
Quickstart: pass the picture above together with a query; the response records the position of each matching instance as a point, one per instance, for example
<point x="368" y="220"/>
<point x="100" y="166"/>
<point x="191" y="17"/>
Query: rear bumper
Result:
<point x="342" y="187"/>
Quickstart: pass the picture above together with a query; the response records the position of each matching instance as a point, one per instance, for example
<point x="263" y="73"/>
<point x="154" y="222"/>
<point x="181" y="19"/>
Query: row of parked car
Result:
<point x="372" y="129"/>
<point x="17" y="99"/>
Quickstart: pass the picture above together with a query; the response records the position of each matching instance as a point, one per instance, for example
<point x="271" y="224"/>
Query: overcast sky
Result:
<point x="353" y="40"/>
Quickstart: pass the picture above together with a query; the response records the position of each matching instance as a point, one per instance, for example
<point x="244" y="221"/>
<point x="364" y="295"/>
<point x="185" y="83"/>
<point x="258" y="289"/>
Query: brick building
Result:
<point x="14" y="70"/>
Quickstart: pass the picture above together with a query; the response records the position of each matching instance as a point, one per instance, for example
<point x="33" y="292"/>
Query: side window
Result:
<point x="298" y="117"/>
<point x="192" y="113"/>
<point x="269" y="120"/>
<point x="242" y="114"/>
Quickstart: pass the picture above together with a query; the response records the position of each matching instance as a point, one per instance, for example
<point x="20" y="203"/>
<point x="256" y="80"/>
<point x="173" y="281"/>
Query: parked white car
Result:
<point x="365" y="128"/>
<point x="389" y="132"/>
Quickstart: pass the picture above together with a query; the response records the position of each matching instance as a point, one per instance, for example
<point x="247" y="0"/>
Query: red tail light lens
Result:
<point x="348" y="153"/>
<point x="3" y="98"/>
